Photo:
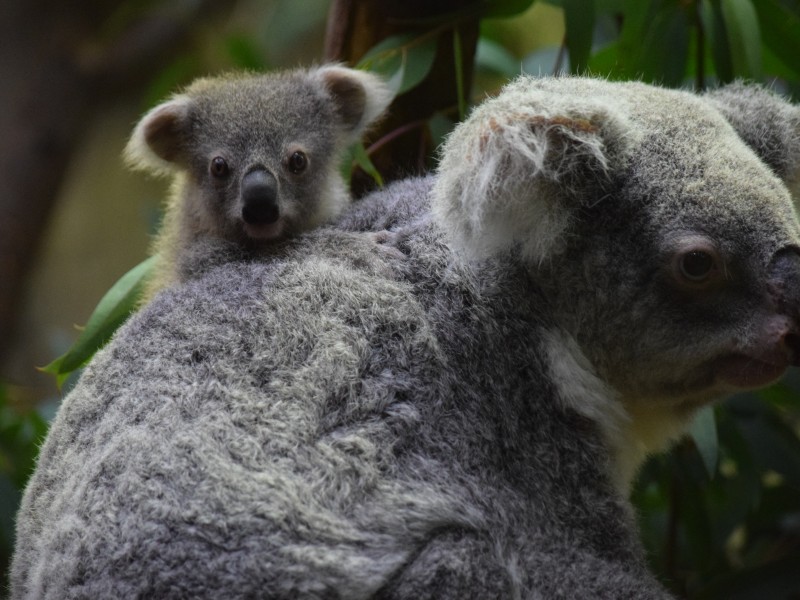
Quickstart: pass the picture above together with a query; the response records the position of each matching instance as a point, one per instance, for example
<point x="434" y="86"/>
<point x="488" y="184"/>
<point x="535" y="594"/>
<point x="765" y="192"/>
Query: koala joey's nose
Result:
<point x="260" y="198"/>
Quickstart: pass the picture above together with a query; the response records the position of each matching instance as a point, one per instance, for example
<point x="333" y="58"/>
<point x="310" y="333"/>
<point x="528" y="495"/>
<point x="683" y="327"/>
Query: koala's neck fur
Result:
<point x="633" y="428"/>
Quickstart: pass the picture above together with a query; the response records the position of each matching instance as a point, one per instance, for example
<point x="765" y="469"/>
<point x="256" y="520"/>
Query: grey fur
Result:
<point x="769" y="125"/>
<point x="255" y="124"/>
<point x="339" y="421"/>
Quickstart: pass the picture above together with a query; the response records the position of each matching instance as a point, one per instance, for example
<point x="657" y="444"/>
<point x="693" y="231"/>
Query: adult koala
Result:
<point x="457" y="410"/>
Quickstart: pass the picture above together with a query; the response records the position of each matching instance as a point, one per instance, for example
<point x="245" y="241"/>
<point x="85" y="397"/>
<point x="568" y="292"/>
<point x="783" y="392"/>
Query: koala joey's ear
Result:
<point x="519" y="169"/>
<point x="767" y="123"/>
<point x="158" y="140"/>
<point x="360" y="97"/>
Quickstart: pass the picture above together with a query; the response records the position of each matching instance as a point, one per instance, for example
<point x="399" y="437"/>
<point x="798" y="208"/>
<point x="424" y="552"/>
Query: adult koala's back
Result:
<point x="357" y="419"/>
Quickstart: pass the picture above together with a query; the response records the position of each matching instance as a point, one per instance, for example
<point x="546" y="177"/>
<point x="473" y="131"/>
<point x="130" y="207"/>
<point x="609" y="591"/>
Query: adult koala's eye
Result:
<point x="218" y="167"/>
<point x="694" y="262"/>
<point x="298" y="161"/>
<point x="696" y="265"/>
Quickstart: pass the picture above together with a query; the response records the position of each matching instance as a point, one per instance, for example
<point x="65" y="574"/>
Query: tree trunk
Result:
<point x="58" y="68"/>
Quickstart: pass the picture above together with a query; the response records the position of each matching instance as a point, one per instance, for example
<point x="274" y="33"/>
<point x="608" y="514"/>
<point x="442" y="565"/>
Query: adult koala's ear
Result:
<point x="519" y="169"/>
<point x="159" y="139"/>
<point x="359" y="97"/>
<point x="767" y="123"/>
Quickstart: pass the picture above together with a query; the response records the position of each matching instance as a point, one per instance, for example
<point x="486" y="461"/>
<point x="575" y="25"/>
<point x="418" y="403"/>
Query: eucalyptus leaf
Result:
<point x="440" y="127"/>
<point x="666" y="49"/>
<point x="606" y="61"/>
<point x="743" y="485"/>
<point x="112" y="310"/>
<point x="579" y="17"/>
<point x="714" y="27"/>
<point x="491" y="56"/>
<point x="244" y="53"/>
<point x="361" y="158"/>
<point x="744" y="37"/>
<point x="403" y="60"/>
<point x="781" y="395"/>
<point x="773" y="443"/>
<point x="634" y="29"/>
<point x="695" y="521"/>
<point x="781" y="34"/>
<point x="704" y="433"/>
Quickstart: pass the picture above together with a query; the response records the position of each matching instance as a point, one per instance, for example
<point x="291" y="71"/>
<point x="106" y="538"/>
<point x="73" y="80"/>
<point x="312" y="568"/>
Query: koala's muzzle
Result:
<point x="770" y="342"/>
<point x="784" y="287"/>
<point x="260" y="198"/>
<point x="784" y="281"/>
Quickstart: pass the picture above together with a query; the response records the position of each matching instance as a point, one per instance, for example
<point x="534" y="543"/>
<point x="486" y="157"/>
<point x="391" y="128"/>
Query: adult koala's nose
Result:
<point x="784" y="287"/>
<point x="260" y="198"/>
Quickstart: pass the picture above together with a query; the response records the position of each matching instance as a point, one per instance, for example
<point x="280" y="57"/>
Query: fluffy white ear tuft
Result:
<point x="360" y="97"/>
<point x="157" y="141"/>
<point x="519" y="168"/>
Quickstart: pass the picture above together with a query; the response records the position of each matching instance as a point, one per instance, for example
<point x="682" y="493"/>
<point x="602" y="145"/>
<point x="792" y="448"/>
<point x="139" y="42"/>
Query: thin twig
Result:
<point x="394" y="134"/>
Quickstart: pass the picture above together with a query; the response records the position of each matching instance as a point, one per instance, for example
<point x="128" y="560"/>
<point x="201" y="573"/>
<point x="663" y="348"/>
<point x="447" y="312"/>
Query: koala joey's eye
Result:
<point x="218" y="167"/>
<point x="298" y="161"/>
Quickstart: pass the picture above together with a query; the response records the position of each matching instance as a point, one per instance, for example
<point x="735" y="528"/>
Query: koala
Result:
<point x="674" y="230"/>
<point x="461" y="417"/>
<point x="255" y="159"/>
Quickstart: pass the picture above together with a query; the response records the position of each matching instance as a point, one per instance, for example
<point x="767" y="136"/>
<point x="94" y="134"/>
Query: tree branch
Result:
<point x="55" y="77"/>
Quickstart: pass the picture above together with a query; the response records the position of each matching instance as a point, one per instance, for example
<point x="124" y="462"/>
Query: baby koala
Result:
<point x="255" y="159"/>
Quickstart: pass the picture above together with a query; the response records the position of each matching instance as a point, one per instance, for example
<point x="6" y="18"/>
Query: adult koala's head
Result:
<point x="658" y="223"/>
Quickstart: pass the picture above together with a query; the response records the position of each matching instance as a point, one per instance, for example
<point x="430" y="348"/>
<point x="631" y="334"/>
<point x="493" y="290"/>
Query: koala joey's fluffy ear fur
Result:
<point x="359" y="97"/>
<point x="520" y="167"/>
<point x="155" y="144"/>
<point x="767" y="123"/>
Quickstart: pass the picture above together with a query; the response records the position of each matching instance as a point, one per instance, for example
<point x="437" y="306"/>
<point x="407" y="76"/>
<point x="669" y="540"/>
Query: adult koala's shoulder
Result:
<point x="444" y="403"/>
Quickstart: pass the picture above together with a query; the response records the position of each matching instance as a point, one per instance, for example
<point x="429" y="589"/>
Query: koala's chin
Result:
<point x="258" y="234"/>
<point x="763" y="364"/>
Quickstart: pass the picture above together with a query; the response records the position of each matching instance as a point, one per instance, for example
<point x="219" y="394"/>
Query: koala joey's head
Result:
<point x="259" y="154"/>
<point x="658" y="224"/>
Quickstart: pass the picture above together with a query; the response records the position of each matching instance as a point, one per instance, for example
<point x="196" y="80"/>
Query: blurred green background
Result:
<point x="720" y="515"/>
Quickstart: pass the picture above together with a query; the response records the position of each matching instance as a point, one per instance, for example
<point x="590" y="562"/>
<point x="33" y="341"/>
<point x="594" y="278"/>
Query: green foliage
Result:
<point x="704" y="435"/>
<point x="673" y="42"/>
<point x="743" y="37"/>
<point x="21" y="432"/>
<point x="579" y="17"/>
<point x="111" y="312"/>
<point x="733" y="531"/>
<point x="357" y="155"/>
<point x="403" y="60"/>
